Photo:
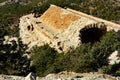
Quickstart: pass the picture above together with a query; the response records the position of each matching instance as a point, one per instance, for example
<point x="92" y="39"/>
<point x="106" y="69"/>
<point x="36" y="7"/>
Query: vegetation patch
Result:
<point x="85" y="58"/>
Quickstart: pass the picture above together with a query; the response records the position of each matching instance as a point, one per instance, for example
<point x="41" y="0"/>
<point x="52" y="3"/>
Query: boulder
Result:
<point x="114" y="58"/>
<point x="30" y="76"/>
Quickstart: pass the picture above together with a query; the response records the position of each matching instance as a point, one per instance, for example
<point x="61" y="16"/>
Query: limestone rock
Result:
<point x="30" y="76"/>
<point x="9" y="77"/>
<point x="114" y="58"/>
<point x="9" y="39"/>
<point x="78" y="76"/>
<point x="63" y="76"/>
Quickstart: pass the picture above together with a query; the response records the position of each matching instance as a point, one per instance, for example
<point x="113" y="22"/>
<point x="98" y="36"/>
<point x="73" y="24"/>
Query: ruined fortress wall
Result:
<point x="61" y="28"/>
<point x="110" y="25"/>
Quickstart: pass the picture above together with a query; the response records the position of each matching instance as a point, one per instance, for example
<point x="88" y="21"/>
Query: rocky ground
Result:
<point x="63" y="76"/>
<point x="78" y="76"/>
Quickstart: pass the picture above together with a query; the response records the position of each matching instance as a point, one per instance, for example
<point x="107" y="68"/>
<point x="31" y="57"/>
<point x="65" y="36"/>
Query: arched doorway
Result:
<point x="93" y="32"/>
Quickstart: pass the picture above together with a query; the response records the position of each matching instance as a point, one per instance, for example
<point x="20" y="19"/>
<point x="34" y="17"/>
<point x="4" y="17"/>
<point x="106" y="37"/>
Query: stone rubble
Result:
<point x="63" y="76"/>
<point x="78" y="76"/>
<point x="9" y="77"/>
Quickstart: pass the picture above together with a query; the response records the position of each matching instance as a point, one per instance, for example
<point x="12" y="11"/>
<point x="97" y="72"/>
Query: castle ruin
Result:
<point x="63" y="29"/>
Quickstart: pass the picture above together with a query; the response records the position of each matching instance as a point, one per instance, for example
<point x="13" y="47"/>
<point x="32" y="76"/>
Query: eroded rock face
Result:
<point x="62" y="29"/>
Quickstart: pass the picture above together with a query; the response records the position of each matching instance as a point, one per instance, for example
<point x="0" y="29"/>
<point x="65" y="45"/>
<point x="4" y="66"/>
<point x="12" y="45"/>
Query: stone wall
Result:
<point x="60" y="28"/>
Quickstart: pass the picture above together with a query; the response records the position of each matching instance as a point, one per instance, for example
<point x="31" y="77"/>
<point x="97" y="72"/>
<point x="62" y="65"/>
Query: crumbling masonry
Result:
<point x="63" y="29"/>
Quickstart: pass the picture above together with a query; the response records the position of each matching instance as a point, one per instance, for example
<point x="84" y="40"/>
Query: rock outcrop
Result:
<point x="114" y="58"/>
<point x="63" y="76"/>
<point x="30" y="76"/>
<point x="10" y="77"/>
<point x="62" y="29"/>
<point x="78" y="76"/>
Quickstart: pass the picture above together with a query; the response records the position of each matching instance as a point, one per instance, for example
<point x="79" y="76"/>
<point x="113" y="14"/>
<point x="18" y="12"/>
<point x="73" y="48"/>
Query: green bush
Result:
<point x="111" y="69"/>
<point x="12" y="60"/>
<point x="43" y="58"/>
<point x="85" y="58"/>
